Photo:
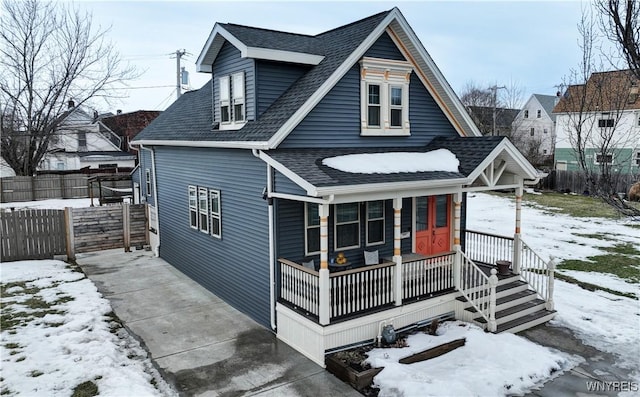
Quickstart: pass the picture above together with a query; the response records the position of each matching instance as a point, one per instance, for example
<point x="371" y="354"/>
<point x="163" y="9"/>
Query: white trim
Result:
<point x="204" y="144"/>
<point x="507" y="146"/>
<point x="389" y="186"/>
<point x="295" y="178"/>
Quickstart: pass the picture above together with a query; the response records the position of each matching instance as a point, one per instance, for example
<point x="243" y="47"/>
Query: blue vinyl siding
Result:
<point x="385" y="48"/>
<point x="227" y="63"/>
<point x="273" y="79"/>
<point x="146" y="163"/>
<point x="235" y="267"/>
<point x="335" y="121"/>
<point x="282" y="184"/>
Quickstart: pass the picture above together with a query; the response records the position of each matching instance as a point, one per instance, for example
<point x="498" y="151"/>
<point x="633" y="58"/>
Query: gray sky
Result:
<point x="533" y="44"/>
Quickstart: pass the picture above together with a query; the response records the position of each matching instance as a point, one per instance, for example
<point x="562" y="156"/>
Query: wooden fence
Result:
<point x="41" y="187"/>
<point x="574" y="182"/>
<point x="41" y="234"/>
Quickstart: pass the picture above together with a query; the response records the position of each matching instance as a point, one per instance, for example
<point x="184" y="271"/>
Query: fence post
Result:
<point x="493" y="282"/>
<point x="68" y="221"/>
<point x="126" y="227"/>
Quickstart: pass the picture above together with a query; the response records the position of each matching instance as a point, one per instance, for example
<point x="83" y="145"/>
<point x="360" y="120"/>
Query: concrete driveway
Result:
<point x="202" y="346"/>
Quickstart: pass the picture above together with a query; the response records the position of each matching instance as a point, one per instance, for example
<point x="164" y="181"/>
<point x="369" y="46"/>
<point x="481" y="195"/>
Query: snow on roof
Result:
<point x="394" y="162"/>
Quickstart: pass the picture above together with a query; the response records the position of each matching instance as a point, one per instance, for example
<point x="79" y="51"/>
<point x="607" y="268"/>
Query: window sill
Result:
<point x="231" y="126"/>
<point x="385" y="132"/>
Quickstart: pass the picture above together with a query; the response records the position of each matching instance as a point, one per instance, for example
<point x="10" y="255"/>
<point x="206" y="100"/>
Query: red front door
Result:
<point x="433" y="224"/>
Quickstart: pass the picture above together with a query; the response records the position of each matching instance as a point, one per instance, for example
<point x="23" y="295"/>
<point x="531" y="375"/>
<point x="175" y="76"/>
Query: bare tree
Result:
<point x="50" y="54"/>
<point x="620" y="22"/>
<point x="495" y="104"/>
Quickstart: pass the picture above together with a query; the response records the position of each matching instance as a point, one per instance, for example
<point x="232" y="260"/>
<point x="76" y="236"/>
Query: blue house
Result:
<point x="318" y="184"/>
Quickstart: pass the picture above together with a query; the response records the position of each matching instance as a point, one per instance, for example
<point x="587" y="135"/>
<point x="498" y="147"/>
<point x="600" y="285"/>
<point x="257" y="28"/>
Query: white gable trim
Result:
<point x="488" y="164"/>
<point x="249" y="52"/>
<point x="298" y="180"/>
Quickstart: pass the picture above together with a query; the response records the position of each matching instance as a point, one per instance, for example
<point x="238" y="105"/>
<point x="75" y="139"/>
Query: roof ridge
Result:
<point x="268" y="30"/>
<point x="354" y="22"/>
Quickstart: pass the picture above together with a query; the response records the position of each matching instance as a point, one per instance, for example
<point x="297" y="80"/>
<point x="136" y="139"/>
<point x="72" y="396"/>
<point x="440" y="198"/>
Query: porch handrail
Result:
<point x="538" y="273"/>
<point x="479" y="289"/>
<point x="488" y="248"/>
<point x="299" y="286"/>
<point x="426" y="275"/>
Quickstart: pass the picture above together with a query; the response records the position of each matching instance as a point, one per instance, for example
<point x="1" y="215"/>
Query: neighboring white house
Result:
<point x="608" y="120"/>
<point x="534" y="126"/>
<point x="84" y="141"/>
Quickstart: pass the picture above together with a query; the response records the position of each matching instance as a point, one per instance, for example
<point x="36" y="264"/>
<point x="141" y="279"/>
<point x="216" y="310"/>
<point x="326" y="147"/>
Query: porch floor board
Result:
<point x="512" y="310"/>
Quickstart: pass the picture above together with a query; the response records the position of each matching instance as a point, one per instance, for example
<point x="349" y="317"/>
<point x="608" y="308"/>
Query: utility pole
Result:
<point x="179" y="54"/>
<point x="494" y="89"/>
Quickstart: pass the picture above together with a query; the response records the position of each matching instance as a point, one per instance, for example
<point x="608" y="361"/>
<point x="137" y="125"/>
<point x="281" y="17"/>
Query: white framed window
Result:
<point x="546" y="131"/>
<point x="636" y="158"/>
<point x="203" y="210"/>
<point x="526" y="113"/>
<point x="312" y="229"/>
<point x="384" y="97"/>
<point x="601" y="158"/>
<point x="347" y="226"/>
<point x="539" y="113"/>
<point x="147" y="177"/>
<point x="193" y="207"/>
<point x="605" y="123"/>
<point x="544" y="151"/>
<point x="214" y="208"/>
<point x="395" y="107"/>
<point x="225" y="100"/>
<point x="532" y="132"/>
<point x="238" y="98"/>
<point x="375" y="222"/>
<point x="373" y="106"/>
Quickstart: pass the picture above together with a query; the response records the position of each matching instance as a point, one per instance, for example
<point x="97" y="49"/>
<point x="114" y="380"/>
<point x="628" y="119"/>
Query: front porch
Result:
<point x="319" y="311"/>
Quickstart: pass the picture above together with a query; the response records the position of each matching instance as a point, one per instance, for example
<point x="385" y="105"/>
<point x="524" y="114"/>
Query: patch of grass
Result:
<point x="596" y="236"/>
<point x="35" y="373"/>
<point x="20" y="359"/>
<point x="36" y="303"/>
<point x="624" y="266"/>
<point x="624" y="249"/>
<point x="85" y="389"/>
<point x="12" y="345"/>
<point x="593" y="287"/>
<point x="5" y="391"/>
<point x="22" y="284"/>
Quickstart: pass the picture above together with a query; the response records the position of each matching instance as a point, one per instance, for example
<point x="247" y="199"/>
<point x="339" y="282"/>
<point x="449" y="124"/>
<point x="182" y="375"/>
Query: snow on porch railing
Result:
<point x="488" y="248"/>
<point x="299" y="286"/>
<point x="361" y="289"/>
<point x="426" y="276"/>
<point x="479" y="290"/>
<point x="538" y="274"/>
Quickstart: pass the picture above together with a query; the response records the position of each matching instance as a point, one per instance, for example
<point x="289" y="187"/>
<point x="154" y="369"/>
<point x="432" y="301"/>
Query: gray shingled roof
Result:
<point x="189" y="118"/>
<point x="548" y="102"/>
<point x="307" y="163"/>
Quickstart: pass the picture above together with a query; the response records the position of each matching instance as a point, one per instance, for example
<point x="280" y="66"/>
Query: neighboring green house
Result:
<point x="607" y="111"/>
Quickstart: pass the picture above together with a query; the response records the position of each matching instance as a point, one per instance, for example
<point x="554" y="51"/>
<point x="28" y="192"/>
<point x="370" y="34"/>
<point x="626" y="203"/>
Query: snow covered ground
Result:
<point x="57" y="335"/>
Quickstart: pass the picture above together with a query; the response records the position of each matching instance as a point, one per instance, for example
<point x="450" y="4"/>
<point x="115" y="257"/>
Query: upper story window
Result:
<point x="604" y="123"/>
<point x="82" y="141"/>
<point x="532" y="131"/>
<point x="147" y="177"/>
<point x="539" y="113"/>
<point x="384" y="97"/>
<point x="232" y="101"/>
<point x="526" y="113"/>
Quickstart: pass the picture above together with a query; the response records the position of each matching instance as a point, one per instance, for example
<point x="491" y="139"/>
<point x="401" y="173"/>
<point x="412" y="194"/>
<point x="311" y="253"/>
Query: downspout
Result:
<point x="155" y="192"/>
<point x="272" y="265"/>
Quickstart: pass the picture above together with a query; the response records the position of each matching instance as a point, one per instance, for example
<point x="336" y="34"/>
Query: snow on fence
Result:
<point x="41" y="234"/>
<point x="48" y="186"/>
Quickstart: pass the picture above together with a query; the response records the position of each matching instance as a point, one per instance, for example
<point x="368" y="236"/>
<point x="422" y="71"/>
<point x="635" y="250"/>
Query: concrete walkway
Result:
<point x="202" y="346"/>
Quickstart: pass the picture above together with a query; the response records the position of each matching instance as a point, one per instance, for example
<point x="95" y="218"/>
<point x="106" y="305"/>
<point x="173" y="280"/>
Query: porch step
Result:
<point x="507" y="301"/>
<point x="510" y="287"/>
<point x="514" y="312"/>
<point x="526" y="322"/>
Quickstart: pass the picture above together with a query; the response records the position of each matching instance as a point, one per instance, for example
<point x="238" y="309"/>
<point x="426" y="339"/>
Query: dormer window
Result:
<point x="232" y="101"/>
<point x="384" y="97"/>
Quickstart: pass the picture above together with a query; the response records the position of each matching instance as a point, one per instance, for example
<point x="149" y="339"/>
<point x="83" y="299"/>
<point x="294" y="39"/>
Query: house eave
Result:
<point x="202" y="144"/>
<point x="389" y="186"/>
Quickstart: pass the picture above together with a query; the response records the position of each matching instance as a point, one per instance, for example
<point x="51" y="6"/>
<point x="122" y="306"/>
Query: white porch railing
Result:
<point x="362" y="289"/>
<point x="488" y="248"/>
<point x="299" y="286"/>
<point x="479" y="290"/>
<point x="427" y="275"/>
<point x="538" y="274"/>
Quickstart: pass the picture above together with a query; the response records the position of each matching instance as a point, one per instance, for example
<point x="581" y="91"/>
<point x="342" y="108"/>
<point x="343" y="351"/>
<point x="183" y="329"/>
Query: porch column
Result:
<point x="324" y="310"/>
<point x="457" y="260"/>
<point x="397" y="255"/>
<point x="517" y="243"/>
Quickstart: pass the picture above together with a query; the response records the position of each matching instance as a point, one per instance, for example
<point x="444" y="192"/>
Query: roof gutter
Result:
<point x="204" y="144"/>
